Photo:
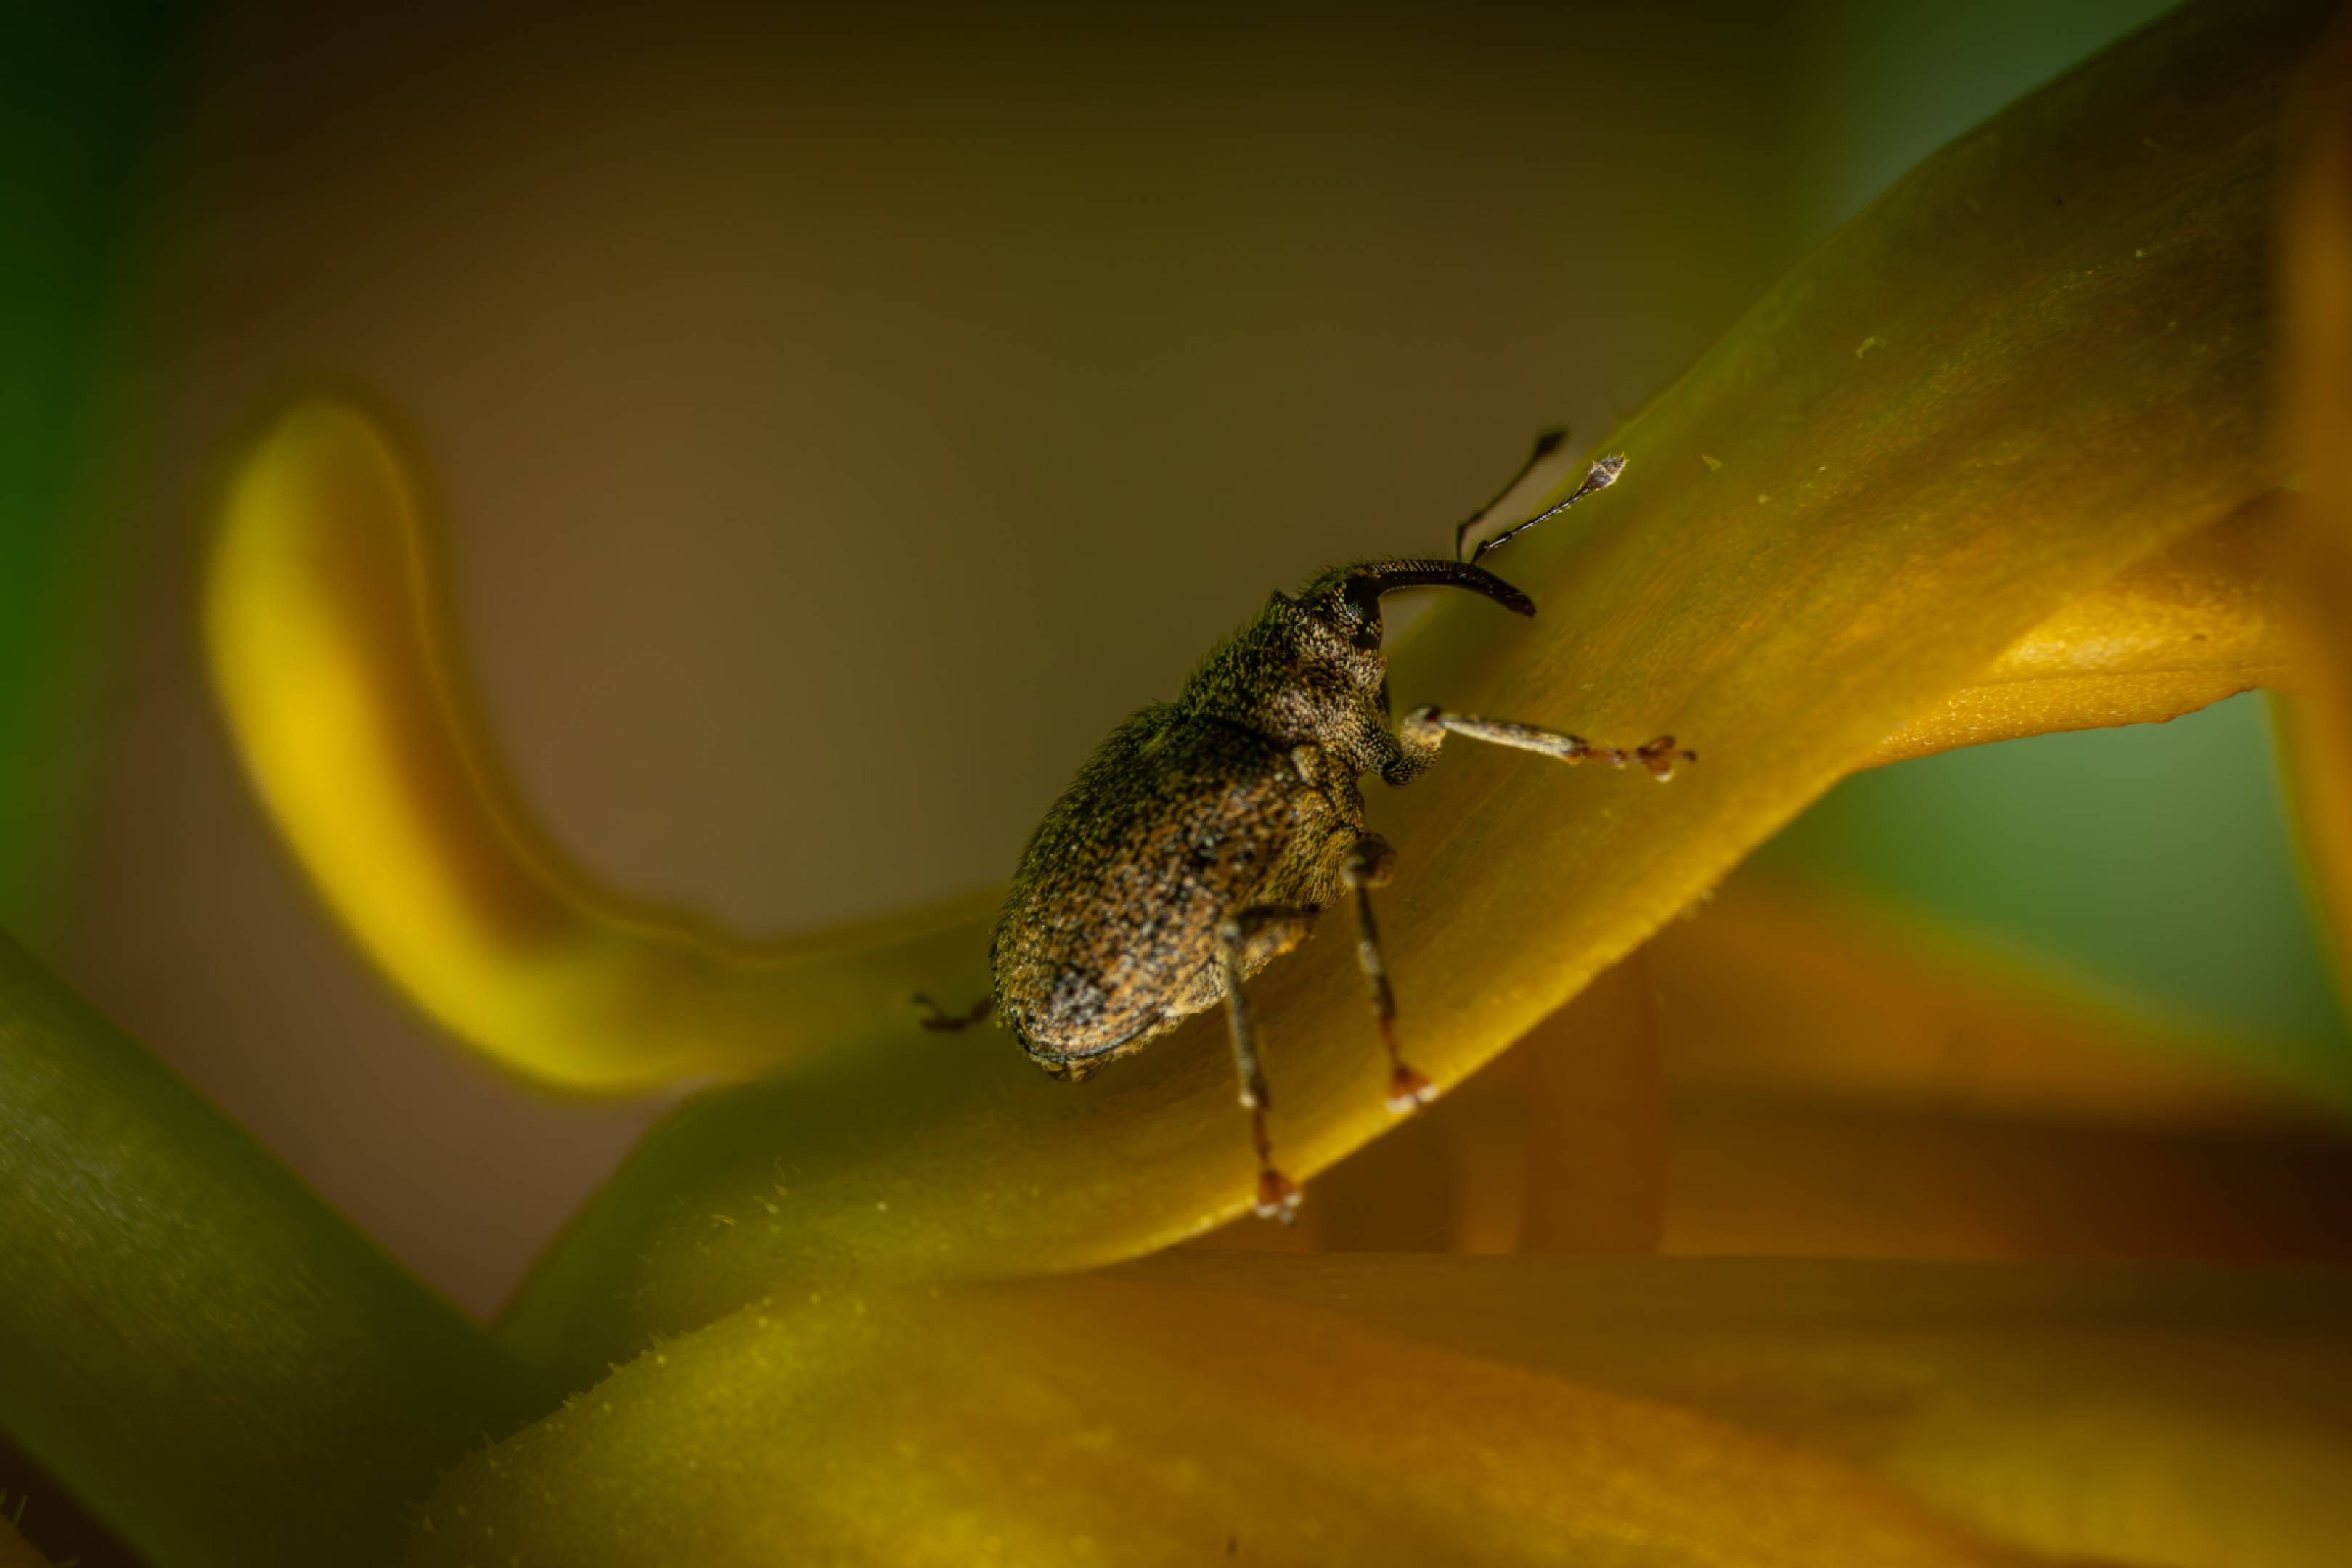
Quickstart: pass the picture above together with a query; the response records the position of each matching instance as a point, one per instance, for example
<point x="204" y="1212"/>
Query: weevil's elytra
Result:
<point x="1206" y="836"/>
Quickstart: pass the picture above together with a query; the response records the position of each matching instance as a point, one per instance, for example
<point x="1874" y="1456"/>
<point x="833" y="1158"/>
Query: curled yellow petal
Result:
<point x="326" y="624"/>
<point x="1099" y="1421"/>
<point x="2076" y="350"/>
<point x="2206" y="619"/>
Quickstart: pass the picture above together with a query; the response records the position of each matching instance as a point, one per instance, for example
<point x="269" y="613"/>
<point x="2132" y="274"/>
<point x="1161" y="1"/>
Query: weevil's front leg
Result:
<point x="1277" y="1194"/>
<point x="1368" y="866"/>
<point x="1425" y="729"/>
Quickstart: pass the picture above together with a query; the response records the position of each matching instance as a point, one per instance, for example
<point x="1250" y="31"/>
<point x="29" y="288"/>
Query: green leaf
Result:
<point x="216" y="1362"/>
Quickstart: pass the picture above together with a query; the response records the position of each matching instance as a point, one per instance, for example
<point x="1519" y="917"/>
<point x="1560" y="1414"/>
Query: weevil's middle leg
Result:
<point x="1368" y="866"/>
<point x="1277" y="1194"/>
<point x="1425" y="729"/>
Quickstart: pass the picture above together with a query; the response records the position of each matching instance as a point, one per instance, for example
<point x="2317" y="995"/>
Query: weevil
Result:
<point x="1205" y="837"/>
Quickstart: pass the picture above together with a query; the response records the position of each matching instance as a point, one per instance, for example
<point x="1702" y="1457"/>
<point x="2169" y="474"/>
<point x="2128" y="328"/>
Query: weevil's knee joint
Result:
<point x="1370" y="864"/>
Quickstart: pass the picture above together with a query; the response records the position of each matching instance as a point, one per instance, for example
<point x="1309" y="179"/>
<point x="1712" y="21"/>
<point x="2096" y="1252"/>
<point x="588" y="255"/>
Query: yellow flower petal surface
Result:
<point x="2194" y="1419"/>
<point x="2073" y="373"/>
<point x="1095" y="1421"/>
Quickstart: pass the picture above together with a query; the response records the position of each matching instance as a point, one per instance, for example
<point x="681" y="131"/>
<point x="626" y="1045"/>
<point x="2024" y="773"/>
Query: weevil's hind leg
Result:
<point x="1547" y="443"/>
<point x="1277" y="1194"/>
<point x="1425" y="729"/>
<point x="938" y="1018"/>
<point x="1368" y="866"/>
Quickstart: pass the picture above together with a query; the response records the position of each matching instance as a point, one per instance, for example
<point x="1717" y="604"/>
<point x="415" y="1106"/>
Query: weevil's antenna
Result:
<point x="1547" y="443"/>
<point x="1603" y="474"/>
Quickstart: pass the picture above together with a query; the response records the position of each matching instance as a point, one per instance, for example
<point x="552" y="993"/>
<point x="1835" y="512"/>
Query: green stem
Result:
<point x="218" y="1364"/>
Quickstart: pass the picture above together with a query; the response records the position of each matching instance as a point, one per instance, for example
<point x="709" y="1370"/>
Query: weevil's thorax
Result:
<point x="1307" y="671"/>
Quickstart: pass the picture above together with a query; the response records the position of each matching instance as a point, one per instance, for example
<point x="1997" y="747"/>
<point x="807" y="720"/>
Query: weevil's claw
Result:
<point x="1659" y="756"/>
<point x="1409" y="1089"/>
<point x="1277" y="1196"/>
<point x="940" y="1019"/>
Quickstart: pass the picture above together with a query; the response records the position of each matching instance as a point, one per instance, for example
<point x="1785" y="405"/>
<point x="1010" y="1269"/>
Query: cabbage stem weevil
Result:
<point x="1205" y="837"/>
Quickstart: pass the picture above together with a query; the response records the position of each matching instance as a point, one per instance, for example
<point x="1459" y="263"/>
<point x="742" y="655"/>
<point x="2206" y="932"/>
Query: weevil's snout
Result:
<point x="1349" y="598"/>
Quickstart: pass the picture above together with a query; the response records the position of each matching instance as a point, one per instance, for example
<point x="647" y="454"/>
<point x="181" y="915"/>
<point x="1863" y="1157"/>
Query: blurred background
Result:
<point x="840" y="421"/>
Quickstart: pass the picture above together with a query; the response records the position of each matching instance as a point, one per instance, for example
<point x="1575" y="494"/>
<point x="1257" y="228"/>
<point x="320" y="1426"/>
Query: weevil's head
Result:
<point x="1310" y="669"/>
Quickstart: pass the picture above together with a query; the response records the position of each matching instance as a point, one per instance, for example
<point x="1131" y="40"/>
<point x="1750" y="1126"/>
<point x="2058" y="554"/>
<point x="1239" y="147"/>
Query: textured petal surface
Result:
<point x="1810" y="548"/>
<point x="2199" y="1418"/>
<point x="1099" y="1421"/>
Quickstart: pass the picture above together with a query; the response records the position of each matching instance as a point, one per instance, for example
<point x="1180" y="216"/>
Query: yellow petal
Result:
<point x="2195" y="1418"/>
<point x="2076" y="351"/>
<point x="1785" y="990"/>
<point x="1844" y="1088"/>
<point x="2192" y="624"/>
<point x="1095" y="1421"/>
<point x="326" y="626"/>
<point x="2317" y="280"/>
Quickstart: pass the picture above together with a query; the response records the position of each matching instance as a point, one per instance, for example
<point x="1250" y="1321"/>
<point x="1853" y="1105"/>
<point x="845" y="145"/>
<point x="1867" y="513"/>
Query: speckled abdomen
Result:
<point x="1109" y="933"/>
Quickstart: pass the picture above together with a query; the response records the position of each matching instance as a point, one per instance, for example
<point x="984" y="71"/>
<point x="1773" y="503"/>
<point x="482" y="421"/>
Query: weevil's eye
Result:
<point x="1360" y="612"/>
